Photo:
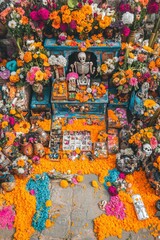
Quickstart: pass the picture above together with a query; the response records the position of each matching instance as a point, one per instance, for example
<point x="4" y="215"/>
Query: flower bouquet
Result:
<point x="18" y="23"/>
<point x="133" y="15"/>
<point x="35" y="68"/>
<point x="82" y="19"/>
<point x="107" y="67"/>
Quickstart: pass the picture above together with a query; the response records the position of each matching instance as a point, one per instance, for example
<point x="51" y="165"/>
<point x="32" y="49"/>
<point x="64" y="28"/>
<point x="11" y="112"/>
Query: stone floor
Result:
<point x="77" y="207"/>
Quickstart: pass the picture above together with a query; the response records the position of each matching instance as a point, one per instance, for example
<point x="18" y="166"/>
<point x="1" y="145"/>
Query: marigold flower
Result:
<point x="95" y="184"/>
<point x="64" y="183"/>
<point x="49" y="223"/>
<point x="4" y="124"/>
<point x="27" y="57"/>
<point x="48" y="203"/>
<point x="80" y="178"/>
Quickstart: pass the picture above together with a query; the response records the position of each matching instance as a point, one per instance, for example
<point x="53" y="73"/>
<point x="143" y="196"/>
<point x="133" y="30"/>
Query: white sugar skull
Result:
<point x="82" y="57"/>
<point x="147" y="149"/>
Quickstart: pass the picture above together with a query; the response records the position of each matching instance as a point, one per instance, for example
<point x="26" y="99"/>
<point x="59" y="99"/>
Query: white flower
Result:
<point x="28" y="42"/>
<point x="61" y="61"/>
<point x="130" y="60"/>
<point x="110" y="12"/>
<point x="12" y="24"/>
<point x="21" y="170"/>
<point x="31" y="48"/>
<point x="128" y="18"/>
<point x="111" y="66"/>
<point x="13" y="73"/>
<point x="115" y="59"/>
<point x="44" y="2"/>
<point x="52" y="60"/>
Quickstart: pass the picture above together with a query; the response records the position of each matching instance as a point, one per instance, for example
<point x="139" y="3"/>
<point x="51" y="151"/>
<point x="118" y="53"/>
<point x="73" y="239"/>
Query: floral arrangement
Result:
<point x="82" y="19"/>
<point x="146" y="135"/>
<point x="137" y="65"/>
<point x="133" y="14"/>
<point x="108" y="66"/>
<point x="21" y="166"/>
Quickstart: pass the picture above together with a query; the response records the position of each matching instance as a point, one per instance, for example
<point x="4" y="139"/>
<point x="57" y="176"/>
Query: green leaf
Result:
<point x="72" y="3"/>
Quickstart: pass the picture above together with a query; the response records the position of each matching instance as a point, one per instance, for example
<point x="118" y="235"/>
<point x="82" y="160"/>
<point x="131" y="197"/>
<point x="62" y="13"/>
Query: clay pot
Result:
<point x="27" y="149"/>
<point x="39" y="150"/>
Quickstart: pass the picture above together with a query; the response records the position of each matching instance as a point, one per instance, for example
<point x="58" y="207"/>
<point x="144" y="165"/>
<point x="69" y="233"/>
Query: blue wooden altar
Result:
<point x="97" y="107"/>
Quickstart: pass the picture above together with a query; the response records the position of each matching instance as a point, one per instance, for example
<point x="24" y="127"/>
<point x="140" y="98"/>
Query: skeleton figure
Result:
<point x="82" y="67"/>
<point x="139" y="207"/>
<point x="147" y="149"/>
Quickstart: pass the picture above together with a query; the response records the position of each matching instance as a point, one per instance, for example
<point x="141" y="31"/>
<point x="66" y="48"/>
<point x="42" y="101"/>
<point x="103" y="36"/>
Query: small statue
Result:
<point x="82" y="67"/>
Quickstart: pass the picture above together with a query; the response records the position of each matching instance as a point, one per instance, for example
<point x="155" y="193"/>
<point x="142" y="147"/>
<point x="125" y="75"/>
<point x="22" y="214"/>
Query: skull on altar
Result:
<point x="147" y="149"/>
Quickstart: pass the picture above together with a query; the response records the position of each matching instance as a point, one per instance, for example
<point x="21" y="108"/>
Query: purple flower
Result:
<point x="146" y="75"/>
<point x="124" y="7"/>
<point x="126" y="31"/>
<point x="112" y="191"/>
<point x="11" y="121"/>
<point x="73" y="24"/>
<point x="63" y="27"/>
<point x="5" y="74"/>
<point x="152" y="7"/>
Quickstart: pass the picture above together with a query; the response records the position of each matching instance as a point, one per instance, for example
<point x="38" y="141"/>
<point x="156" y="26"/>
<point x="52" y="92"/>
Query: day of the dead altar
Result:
<point x="80" y="94"/>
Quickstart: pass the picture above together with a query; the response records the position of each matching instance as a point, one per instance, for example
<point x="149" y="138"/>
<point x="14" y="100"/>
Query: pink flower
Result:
<point x="90" y="2"/>
<point x="133" y="81"/>
<point x="126" y="31"/>
<point x="74" y="180"/>
<point x="34" y="16"/>
<point x="112" y="191"/>
<point x="36" y="159"/>
<point x="153" y="142"/>
<point x="72" y="75"/>
<point x="79" y="5"/>
<point x="122" y="175"/>
<point x="63" y="27"/>
<point x="11" y="121"/>
<point x="153" y="7"/>
<point x="43" y="14"/>
<point x="115" y="208"/>
<point x="73" y="24"/>
<point x="32" y="192"/>
<point x="124" y="7"/>
<point x="7" y="216"/>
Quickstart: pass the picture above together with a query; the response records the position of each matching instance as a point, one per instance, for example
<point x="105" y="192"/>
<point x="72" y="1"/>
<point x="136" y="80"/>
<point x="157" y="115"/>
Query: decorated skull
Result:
<point x="82" y="57"/>
<point x="147" y="149"/>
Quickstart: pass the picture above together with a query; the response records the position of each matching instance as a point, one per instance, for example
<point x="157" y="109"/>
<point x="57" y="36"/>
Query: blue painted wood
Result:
<point x="45" y="104"/>
<point x="50" y="44"/>
<point x="65" y="107"/>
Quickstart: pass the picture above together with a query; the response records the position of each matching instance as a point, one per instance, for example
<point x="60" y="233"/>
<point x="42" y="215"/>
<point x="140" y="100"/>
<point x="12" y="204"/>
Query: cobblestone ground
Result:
<point x="77" y="206"/>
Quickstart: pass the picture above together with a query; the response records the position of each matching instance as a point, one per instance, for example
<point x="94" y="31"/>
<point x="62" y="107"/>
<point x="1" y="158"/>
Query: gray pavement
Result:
<point x="77" y="207"/>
